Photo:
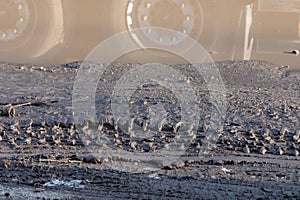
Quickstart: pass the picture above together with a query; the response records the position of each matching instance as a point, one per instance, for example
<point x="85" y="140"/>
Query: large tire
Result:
<point x="203" y="28"/>
<point x="24" y="27"/>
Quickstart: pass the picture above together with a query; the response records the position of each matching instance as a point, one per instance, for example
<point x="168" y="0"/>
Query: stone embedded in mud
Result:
<point x="280" y="151"/>
<point x="296" y="152"/>
<point x="178" y="164"/>
<point x="118" y="142"/>
<point x="246" y="149"/>
<point x="296" y="136"/>
<point x="266" y="133"/>
<point x="42" y="141"/>
<point x="262" y="150"/>
<point x="27" y="141"/>
<point x="283" y="131"/>
<point x="56" y="141"/>
<point x="7" y="111"/>
<point x="293" y="152"/>
<point x="175" y="165"/>
<point x="154" y="176"/>
<point x="72" y="142"/>
<point x="89" y="159"/>
<point x="133" y="145"/>
<point x="252" y="134"/>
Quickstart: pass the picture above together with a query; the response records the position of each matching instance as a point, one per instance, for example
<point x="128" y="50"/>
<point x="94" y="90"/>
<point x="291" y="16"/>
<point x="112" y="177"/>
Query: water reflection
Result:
<point x="57" y="31"/>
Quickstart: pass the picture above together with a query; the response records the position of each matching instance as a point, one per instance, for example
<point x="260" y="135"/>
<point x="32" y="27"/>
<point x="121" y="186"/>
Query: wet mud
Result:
<point x="43" y="153"/>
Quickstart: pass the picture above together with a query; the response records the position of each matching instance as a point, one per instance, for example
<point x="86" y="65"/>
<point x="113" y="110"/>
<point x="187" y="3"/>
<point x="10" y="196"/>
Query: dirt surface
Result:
<point x="43" y="153"/>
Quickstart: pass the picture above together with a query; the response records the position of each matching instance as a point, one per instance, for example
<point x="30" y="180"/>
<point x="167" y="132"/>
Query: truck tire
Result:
<point x="24" y="28"/>
<point x="199" y="19"/>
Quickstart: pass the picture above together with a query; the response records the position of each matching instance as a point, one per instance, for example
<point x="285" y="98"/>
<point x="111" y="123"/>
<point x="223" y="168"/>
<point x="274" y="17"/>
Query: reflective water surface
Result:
<point x="59" y="31"/>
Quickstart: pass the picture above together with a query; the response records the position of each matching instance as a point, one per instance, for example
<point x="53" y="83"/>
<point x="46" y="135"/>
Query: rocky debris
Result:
<point x="263" y="110"/>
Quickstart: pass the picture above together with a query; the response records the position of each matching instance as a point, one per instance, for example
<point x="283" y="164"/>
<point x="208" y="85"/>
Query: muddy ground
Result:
<point x="44" y="156"/>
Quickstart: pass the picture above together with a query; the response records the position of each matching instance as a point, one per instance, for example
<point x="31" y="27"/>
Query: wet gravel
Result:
<point x="256" y="154"/>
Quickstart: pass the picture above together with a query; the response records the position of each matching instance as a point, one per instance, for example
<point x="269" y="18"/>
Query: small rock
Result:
<point x="246" y="149"/>
<point x="118" y="142"/>
<point x="225" y="170"/>
<point x="262" y="150"/>
<point x="292" y="152"/>
<point x="11" y="141"/>
<point x="266" y="133"/>
<point x="146" y="147"/>
<point x="56" y="140"/>
<point x="268" y="138"/>
<point x="72" y="142"/>
<point x="28" y="141"/>
<point x="175" y="165"/>
<point x="217" y="162"/>
<point x="267" y="190"/>
<point x="154" y="176"/>
<point x="150" y="144"/>
<point x="89" y="159"/>
<point x="133" y="145"/>
<point x="252" y="136"/>
<point x="272" y="141"/>
<point x="178" y="164"/>
<point x="38" y="190"/>
<point x="42" y="141"/>
<point x="280" y="151"/>
<point x="296" y="136"/>
<point x="283" y="131"/>
<point x="296" y="152"/>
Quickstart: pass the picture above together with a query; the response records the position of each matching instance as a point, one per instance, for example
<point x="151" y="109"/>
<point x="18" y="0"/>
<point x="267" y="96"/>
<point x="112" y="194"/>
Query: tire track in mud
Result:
<point x="196" y="180"/>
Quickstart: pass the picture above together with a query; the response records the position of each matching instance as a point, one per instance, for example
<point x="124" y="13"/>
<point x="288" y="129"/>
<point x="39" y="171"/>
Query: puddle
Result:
<point x="64" y="31"/>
